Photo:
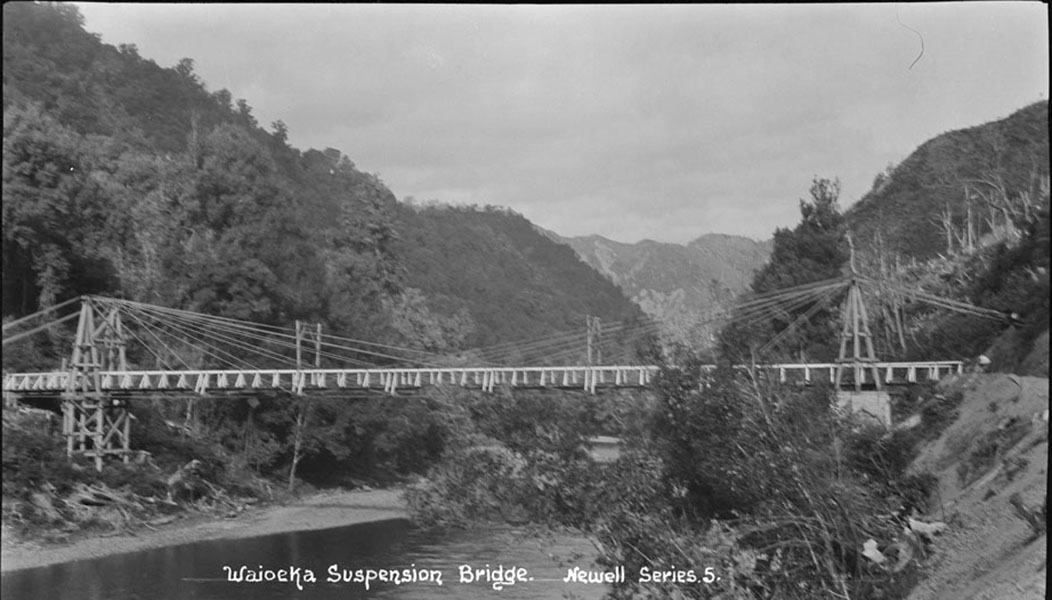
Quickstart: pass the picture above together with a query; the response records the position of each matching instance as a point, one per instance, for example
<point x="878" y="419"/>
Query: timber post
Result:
<point x="302" y="412"/>
<point x="93" y="422"/>
<point x="594" y="348"/>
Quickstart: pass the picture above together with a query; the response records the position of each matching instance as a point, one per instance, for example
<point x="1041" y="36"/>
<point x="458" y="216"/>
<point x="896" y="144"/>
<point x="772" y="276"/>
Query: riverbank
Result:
<point x="323" y="510"/>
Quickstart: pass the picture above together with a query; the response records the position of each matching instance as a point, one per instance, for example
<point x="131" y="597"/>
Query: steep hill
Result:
<point x="966" y="217"/>
<point x="494" y="268"/>
<point x="673" y="283"/>
<point x="991" y="465"/>
<point x="988" y="163"/>
<point x="125" y="178"/>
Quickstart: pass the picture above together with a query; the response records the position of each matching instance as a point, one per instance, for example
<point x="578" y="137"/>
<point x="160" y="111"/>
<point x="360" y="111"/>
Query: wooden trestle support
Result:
<point x="856" y="334"/>
<point x="96" y="424"/>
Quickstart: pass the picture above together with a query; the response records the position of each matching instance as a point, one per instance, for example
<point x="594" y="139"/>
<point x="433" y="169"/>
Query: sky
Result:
<point x="661" y="122"/>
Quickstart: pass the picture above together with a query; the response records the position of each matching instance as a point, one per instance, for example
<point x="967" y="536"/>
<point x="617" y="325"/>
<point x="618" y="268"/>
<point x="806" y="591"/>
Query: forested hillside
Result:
<point x="125" y="178"/>
<point x="964" y="217"/>
<point x="497" y="277"/>
<point x="969" y="179"/>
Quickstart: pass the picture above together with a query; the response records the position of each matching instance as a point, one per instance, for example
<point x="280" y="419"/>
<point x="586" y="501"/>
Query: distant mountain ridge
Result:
<point x="676" y="283"/>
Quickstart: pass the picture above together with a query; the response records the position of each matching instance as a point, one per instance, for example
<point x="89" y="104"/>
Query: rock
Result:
<point x="869" y="550"/>
<point x="926" y="530"/>
<point x="909" y="423"/>
<point x="42" y="502"/>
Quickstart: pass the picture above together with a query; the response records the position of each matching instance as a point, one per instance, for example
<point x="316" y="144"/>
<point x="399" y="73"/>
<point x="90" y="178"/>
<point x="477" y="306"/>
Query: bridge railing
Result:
<point x="485" y="378"/>
<point x="889" y="373"/>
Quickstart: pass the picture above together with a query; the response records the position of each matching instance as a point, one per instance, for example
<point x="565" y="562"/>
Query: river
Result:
<point x="522" y="566"/>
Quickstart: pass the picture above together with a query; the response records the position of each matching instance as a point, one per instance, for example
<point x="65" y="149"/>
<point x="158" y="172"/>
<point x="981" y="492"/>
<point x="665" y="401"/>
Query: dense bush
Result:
<point x="31" y="458"/>
<point x="398" y="436"/>
<point x="468" y="487"/>
<point x="767" y="485"/>
<point x="38" y="477"/>
<point x="169" y="446"/>
<point x="536" y="422"/>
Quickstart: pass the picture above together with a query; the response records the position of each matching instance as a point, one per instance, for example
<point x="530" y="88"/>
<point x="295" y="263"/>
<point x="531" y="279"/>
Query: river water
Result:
<point x="197" y="570"/>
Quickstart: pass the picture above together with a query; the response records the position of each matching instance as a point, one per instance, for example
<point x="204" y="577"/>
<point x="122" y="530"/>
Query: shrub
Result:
<point x="938" y="413"/>
<point x="989" y="448"/>
<point x="731" y="474"/>
<point x="471" y="486"/>
<point x="32" y="458"/>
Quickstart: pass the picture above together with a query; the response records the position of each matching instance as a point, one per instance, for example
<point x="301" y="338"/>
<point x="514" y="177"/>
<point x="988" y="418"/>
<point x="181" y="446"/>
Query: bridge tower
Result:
<point x="94" y="423"/>
<point x="856" y="352"/>
<point x="856" y="335"/>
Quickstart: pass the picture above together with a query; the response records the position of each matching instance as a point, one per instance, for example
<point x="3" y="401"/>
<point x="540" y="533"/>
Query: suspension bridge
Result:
<point x="124" y="350"/>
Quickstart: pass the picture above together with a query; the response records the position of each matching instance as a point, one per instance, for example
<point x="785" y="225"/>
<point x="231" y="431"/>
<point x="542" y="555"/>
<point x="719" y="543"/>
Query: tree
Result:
<point x="185" y="68"/>
<point x="49" y="208"/>
<point x="421" y="328"/>
<point x="353" y="212"/>
<point x="815" y="250"/>
<point x="248" y="255"/>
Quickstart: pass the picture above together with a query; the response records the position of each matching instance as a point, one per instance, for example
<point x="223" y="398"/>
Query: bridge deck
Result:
<point x="485" y="378"/>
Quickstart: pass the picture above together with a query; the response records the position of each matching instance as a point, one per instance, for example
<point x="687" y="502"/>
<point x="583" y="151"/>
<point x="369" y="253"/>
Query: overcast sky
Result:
<point x="632" y="122"/>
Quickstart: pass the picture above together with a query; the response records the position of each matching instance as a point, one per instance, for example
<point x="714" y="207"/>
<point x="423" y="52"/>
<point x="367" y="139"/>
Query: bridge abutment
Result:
<point x="874" y="403"/>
